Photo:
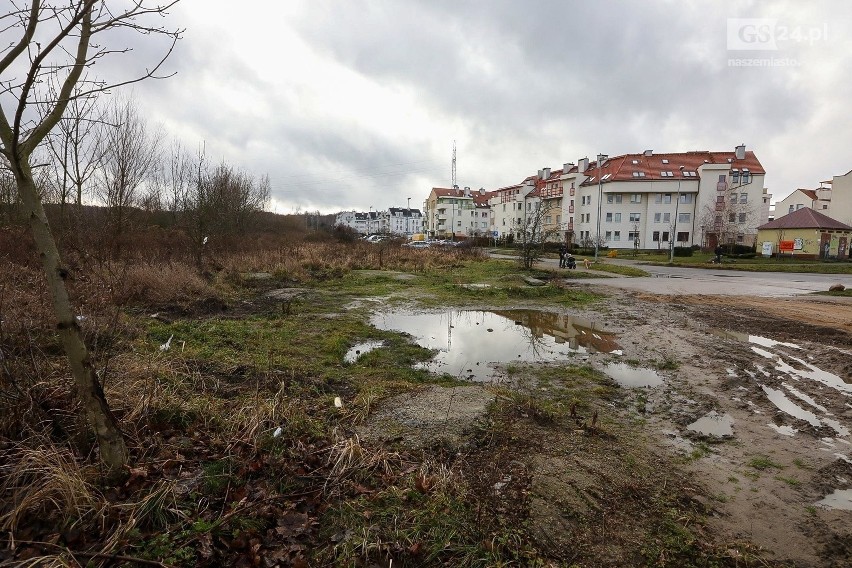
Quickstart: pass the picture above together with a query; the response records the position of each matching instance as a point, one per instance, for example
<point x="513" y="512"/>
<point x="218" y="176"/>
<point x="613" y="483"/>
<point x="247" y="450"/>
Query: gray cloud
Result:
<point x="520" y="85"/>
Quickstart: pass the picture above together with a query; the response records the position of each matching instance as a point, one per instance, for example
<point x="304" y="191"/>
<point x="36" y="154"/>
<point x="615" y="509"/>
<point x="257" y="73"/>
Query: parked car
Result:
<point x="417" y="245"/>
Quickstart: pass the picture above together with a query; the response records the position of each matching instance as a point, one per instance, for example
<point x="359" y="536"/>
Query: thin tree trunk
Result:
<point x="100" y="417"/>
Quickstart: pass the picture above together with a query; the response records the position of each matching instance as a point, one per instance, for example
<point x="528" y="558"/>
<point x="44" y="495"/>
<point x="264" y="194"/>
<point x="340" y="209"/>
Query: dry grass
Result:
<point x="348" y="459"/>
<point x="45" y="480"/>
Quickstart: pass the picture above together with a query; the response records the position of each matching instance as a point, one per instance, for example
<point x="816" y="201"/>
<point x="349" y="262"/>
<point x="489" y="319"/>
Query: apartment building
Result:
<point x="656" y="200"/>
<point x="365" y="223"/>
<point x="512" y="206"/>
<point x="799" y="199"/>
<point x="403" y="221"/>
<point x="455" y="212"/>
<point x="840" y="198"/>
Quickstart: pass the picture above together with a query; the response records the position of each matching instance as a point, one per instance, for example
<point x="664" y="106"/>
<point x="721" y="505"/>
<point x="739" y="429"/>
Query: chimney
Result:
<point x="566" y="167"/>
<point x="545" y="173"/>
<point x="467" y="191"/>
<point x="648" y="152"/>
<point x="741" y="152"/>
<point x="583" y="165"/>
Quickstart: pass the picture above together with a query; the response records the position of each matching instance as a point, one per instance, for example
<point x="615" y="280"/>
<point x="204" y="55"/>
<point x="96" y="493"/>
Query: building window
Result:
<point x="667" y="217"/>
<point x="632" y="235"/>
<point x="683" y="237"/>
<point x="609" y="217"/>
<point x="636" y="198"/>
<point x="618" y="217"/>
<point x="458" y="223"/>
<point x="665" y="236"/>
<point x="732" y="217"/>
<point x="683" y="217"/>
<point x="735" y="176"/>
<point x="686" y="198"/>
<point x="742" y="218"/>
<point x="744" y="198"/>
<point x="657" y="217"/>
<point x="746" y="177"/>
<point x="616" y="235"/>
<point x="634" y="217"/>
<point x="610" y="197"/>
<point x="608" y="236"/>
<point x="720" y="199"/>
<point x="656" y="236"/>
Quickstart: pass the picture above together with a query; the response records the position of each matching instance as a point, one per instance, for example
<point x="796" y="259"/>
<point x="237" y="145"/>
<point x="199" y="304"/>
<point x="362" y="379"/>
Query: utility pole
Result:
<point x="453" y="173"/>
<point x="674" y="224"/>
<point x="601" y="158"/>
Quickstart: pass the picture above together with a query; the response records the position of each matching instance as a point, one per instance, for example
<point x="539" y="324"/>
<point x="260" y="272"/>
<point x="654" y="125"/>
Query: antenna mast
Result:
<point x="454" y="165"/>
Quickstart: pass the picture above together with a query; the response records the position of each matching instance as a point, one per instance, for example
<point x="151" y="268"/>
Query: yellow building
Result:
<point x="806" y="233"/>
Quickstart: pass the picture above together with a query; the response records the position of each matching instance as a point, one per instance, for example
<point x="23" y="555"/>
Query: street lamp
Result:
<point x="674" y="225"/>
<point x="601" y="158"/>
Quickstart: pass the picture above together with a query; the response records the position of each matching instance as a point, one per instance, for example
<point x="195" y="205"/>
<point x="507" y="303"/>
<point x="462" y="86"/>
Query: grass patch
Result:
<point x="762" y="463"/>
<point x="630" y="271"/>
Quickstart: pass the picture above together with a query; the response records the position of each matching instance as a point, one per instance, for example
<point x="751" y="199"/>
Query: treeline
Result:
<point x="115" y="186"/>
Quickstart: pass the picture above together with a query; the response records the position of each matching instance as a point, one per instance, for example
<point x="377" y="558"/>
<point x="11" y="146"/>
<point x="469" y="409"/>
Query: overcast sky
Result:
<point x="352" y="104"/>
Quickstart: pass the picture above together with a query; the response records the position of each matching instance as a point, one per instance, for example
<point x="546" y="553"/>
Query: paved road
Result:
<point x="680" y="280"/>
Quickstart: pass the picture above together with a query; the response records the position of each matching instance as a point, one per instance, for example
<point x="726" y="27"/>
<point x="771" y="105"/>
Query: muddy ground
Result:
<point x="775" y="378"/>
<point x="738" y="374"/>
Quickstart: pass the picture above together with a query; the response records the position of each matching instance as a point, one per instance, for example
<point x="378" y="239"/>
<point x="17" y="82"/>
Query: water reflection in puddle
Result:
<point x="713" y="424"/>
<point x="360" y="349"/>
<point x="783" y="430"/>
<point x="628" y="376"/>
<point x="746" y="338"/>
<point x="841" y="499"/>
<point x="470" y="342"/>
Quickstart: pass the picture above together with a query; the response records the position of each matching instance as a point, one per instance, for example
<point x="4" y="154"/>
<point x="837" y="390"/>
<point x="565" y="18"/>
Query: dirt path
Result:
<point x="790" y="405"/>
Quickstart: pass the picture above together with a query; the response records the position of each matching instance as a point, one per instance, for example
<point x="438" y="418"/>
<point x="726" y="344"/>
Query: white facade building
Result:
<point x="681" y="199"/>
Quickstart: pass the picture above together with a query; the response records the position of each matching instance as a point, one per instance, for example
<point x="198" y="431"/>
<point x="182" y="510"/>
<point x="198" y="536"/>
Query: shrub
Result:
<point x="683" y="251"/>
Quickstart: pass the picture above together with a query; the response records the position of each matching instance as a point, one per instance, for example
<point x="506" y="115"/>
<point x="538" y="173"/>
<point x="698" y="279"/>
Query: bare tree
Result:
<point x="533" y="232"/>
<point x="76" y="146"/>
<point x="726" y="220"/>
<point x="129" y="159"/>
<point x="46" y="40"/>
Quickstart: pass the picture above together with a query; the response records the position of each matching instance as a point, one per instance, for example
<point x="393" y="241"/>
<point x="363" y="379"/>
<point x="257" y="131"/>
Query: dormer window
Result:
<point x="665" y="161"/>
<point x="635" y="162"/>
<point x="667" y="174"/>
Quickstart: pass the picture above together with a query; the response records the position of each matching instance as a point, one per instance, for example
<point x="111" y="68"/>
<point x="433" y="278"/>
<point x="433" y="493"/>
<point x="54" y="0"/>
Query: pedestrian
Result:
<point x="563" y="252"/>
<point x="718" y="251"/>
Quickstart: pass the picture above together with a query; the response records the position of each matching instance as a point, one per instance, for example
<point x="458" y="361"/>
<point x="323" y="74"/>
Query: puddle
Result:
<point x="469" y="343"/>
<point x="813" y="373"/>
<point x="780" y="400"/>
<point x="713" y="424"/>
<point x="628" y="376"/>
<point x="841" y="499"/>
<point x="802" y="396"/>
<point x="746" y="338"/>
<point x="361" y="349"/>
<point x="763" y="352"/>
<point x="784" y="430"/>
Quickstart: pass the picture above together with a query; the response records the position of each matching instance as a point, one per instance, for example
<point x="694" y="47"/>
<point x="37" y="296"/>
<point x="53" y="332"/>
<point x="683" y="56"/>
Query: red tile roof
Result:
<point x="811" y="193"/>
<point x="621" y="168"/>
<point x="805" y="218"/>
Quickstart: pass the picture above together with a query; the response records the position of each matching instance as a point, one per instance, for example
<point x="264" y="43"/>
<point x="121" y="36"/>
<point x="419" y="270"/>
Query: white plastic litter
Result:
<point x="168" y="344"/>
<point x="338" y="403"/>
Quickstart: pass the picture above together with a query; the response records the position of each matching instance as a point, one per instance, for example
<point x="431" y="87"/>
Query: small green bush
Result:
<point x="683" y="251"/>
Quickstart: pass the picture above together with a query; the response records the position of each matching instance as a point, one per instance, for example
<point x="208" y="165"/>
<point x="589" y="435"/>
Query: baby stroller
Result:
<point x="570" y="261"/>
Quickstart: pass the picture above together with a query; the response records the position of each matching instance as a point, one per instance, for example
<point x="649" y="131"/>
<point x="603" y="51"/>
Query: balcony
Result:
<point x="570" y="209"/>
